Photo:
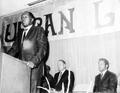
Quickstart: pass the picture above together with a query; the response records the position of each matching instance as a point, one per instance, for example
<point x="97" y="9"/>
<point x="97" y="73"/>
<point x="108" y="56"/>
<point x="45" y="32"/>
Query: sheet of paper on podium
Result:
<point x="14" y="75"/>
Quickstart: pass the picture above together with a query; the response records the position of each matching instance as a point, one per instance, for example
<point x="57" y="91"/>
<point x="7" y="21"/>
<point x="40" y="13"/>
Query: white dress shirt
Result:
<point x="103" y="73"/>
<point x="27" y="29"/>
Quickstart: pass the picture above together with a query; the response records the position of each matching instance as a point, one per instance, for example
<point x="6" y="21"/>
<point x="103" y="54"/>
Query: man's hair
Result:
<point x="62" y="61"/>
<point x="105" y="61"/>
<point x="29" y="13"/>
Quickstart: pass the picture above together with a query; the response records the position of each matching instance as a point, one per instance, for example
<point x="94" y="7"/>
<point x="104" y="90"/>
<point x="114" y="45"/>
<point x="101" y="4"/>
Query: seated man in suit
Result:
<point x="64" y="79"/>
<point x="106" y="81"/>
<point x="46" y="81"/>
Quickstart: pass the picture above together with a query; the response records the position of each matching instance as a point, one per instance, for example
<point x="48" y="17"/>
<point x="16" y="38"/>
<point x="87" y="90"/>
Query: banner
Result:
<point x="68" y="18"/>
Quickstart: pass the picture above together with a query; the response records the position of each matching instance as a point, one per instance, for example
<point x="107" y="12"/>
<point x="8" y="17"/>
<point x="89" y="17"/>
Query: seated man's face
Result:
<point x="61" y="66"/>
<point x="102" y="66"/>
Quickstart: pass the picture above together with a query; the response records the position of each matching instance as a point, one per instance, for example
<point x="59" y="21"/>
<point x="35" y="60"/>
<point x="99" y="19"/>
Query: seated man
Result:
<point x="46" y="80"/>
<point x="64" y="79"/>
<point x="106" y="81"/>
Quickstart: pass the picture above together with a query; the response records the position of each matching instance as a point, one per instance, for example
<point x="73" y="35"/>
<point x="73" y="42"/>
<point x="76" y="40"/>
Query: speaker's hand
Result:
<point x="30" y="64"/>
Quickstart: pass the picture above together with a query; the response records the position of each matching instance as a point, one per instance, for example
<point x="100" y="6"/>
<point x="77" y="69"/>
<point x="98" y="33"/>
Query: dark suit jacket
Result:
<point x="108" y="84"/>
<point x="64" y="80"/>
<point x="44" y="82"/>
<point x="36" y="53"/>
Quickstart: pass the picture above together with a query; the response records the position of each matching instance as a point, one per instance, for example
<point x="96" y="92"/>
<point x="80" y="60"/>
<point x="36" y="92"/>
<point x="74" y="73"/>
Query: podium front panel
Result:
<point x="15" y="75"/>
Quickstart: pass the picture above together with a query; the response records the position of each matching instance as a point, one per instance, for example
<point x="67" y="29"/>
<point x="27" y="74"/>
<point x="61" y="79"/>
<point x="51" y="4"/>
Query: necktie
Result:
<point x="60" y="75"/>
<point x="23" y="36"/>
<point x="101" y="75"/>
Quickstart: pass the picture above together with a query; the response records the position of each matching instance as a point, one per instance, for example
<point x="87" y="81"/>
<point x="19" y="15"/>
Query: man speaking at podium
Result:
<point x="31" y="47"/>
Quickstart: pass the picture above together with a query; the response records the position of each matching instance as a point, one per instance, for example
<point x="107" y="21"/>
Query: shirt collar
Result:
<point x="63" y="71"/>
<point x="103" y="73"/>
<point x="28" y="28"/>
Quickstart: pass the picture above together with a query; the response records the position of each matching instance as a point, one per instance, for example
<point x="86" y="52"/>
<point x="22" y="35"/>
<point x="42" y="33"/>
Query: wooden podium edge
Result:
<point x="9" y="56"/>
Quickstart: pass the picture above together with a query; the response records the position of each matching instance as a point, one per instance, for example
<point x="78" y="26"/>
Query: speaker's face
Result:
<point x="26" y="20"/>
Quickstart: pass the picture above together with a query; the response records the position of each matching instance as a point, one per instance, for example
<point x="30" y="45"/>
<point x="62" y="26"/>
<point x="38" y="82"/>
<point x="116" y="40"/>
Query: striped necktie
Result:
<point x="101" y="75"/>
<point x="23" y="35"/>
<point x="59" y="77"/>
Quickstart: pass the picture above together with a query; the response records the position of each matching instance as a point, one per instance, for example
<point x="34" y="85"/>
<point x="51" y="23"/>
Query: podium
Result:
<point x="14" y="75"/>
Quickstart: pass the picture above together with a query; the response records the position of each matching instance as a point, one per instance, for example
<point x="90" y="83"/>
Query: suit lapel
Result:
<point x="105" y="76"/>
<point x="30" y="32"/>
<point x="20" y="36"/>
<point x="62" y="77"/>
<point x="57" y="76"/>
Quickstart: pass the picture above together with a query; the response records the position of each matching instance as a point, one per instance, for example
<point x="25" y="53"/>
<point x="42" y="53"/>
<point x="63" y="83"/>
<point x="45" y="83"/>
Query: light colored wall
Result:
<point x="82" y="54"/>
